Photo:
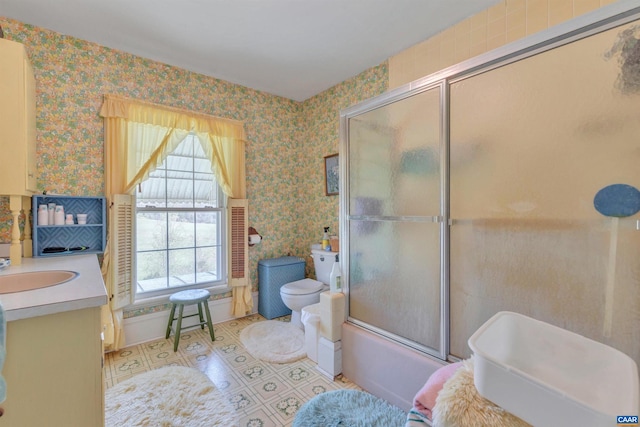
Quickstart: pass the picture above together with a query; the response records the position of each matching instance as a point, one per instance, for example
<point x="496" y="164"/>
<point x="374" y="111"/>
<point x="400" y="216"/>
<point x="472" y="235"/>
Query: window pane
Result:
<point x="180" y="188"/>
<point x="182" y="267"/>
<point x="153" y="190"/>
<point x="207" y="262"/>
<point x="207" y="228"/>
<point x="181" y="230"/>
<point x="198" y="151"/>
<point x="152" y="271"/>
<point x="179" y="163"/>
<point x="151" y="231"/>
<point x="202" y="165"/>
<point x="185" y="148"/>
<point x="205" y="190"/>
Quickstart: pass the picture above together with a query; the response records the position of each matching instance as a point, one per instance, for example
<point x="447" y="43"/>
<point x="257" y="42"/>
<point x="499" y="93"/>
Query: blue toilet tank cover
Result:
<point x="278" y="262"/>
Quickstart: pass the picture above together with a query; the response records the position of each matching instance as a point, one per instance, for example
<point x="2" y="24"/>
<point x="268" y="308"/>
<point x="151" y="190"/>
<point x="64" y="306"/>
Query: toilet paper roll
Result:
<point x="254" y="239"/>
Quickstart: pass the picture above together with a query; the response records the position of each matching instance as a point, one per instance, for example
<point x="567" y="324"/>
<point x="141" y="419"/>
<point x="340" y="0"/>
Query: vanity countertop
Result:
<point x="85" y="291"/>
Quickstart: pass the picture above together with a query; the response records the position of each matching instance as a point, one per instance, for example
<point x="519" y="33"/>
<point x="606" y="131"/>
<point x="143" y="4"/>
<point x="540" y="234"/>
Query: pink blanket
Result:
<point x="425" y="399"/>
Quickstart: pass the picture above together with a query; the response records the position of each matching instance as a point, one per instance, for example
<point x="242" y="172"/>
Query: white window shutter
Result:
<point x="238" y="237"/>
<point x="123" y="261"/>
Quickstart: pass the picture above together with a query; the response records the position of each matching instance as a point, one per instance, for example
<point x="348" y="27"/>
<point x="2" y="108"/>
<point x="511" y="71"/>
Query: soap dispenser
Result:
<point x="335" y="282"/>
<point x="325" y="240"/>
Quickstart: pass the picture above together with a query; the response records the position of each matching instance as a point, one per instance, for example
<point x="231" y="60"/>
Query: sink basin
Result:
<point x="19" y="282"/>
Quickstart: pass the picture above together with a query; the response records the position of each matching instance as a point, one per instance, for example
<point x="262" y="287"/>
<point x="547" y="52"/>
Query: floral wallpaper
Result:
<point x="286" y="139"/>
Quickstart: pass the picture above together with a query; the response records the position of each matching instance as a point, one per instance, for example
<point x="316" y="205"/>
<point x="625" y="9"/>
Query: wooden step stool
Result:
<point x="189" y="297"/>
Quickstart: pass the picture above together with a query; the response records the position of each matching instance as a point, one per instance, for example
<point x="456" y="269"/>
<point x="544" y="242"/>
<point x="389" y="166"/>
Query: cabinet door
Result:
<point x="30" y="127"/>
<point x="53" y="371"/>
<point x="17" y="121"/>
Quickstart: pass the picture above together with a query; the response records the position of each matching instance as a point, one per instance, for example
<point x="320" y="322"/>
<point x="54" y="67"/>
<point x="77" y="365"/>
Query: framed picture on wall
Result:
<point x="331" y="175"/>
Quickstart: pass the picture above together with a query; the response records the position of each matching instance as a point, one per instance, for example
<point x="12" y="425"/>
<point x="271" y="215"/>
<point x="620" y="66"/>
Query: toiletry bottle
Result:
<point x="338" y="276"/>
<point x="335" y="284"/>
<point x="325" y="240"/>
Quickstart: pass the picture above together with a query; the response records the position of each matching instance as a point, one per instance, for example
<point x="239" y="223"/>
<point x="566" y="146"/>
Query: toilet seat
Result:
<point x="302" y="287"/>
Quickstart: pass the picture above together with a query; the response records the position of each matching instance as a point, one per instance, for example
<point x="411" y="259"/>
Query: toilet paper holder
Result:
<point x="254" y="237"/>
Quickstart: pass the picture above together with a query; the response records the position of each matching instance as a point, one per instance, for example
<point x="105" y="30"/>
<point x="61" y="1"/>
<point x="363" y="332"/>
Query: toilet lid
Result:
<point x="302" y="287"/>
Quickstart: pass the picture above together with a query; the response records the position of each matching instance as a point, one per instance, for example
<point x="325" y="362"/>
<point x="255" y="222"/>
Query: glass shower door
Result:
<point x="394" y="220"/>
<point x="532" y="143"/>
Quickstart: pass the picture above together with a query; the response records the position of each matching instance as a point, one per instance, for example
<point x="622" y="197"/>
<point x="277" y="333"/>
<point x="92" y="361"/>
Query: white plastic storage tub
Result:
<point x="549" y="376"/>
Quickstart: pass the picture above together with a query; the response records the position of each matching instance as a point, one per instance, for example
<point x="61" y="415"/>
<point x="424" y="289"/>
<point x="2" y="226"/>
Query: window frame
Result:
<point x="215" y="286"/>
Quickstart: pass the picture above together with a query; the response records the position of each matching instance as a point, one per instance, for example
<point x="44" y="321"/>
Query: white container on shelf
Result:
<point x="52" y="213"/>
<point x="549" y="376"/>
<point x="43" y="215"/>
<point x="59" y="215"/>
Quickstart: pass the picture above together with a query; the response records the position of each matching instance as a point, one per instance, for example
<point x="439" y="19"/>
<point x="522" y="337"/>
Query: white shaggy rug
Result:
<point x="173" y="396"/>
<point x="274" y="341"/>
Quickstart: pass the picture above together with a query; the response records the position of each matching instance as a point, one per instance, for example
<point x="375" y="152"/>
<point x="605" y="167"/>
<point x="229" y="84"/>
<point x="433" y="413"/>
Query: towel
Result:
<point x="425" y="399"/>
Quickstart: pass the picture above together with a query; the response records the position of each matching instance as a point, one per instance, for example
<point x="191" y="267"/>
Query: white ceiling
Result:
<point x="292" y="48"/>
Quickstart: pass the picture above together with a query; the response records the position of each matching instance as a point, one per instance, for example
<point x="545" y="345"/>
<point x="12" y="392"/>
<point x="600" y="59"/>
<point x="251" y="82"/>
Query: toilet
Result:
<point x="301" y="293"/>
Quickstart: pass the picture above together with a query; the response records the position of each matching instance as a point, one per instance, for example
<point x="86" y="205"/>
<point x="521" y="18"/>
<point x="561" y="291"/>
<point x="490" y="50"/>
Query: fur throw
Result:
<point x="460" y="405"/>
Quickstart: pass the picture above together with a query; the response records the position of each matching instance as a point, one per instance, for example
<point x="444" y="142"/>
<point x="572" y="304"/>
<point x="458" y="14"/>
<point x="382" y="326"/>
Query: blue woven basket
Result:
<point x="272" y="275"/>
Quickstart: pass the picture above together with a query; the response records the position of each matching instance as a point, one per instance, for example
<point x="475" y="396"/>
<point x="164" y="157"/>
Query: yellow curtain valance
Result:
<point x="163" y="128"/>
<point x="160" y="115"/>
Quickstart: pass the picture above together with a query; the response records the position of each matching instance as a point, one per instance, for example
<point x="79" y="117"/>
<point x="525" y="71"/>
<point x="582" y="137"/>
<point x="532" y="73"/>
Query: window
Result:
<point x="180" y="221"/>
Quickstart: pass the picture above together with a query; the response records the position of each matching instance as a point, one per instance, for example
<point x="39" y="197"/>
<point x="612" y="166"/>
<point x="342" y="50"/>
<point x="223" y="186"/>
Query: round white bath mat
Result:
<point x="274" y="341"/>
<point x="172" y="396"/>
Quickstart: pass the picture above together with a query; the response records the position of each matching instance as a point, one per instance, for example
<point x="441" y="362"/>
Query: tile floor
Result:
<point x="264" y="394"/>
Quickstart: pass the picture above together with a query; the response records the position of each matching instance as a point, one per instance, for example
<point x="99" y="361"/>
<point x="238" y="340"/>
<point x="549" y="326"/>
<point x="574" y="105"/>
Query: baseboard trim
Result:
<point x="149" y="327"/>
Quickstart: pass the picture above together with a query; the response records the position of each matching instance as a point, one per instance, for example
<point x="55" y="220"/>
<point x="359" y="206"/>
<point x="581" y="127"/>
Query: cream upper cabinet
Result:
<point x="17" y="121"/>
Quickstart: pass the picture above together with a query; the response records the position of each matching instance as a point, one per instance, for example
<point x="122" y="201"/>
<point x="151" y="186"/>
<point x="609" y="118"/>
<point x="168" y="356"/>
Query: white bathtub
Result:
<point x="384" y="368"/>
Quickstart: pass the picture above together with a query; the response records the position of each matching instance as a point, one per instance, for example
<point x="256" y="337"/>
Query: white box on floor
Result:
<point x="329" y="357"/>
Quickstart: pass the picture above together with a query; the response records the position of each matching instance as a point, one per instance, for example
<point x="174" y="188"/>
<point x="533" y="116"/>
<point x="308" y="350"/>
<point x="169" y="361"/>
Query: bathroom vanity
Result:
<point x="53" y="366"/>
